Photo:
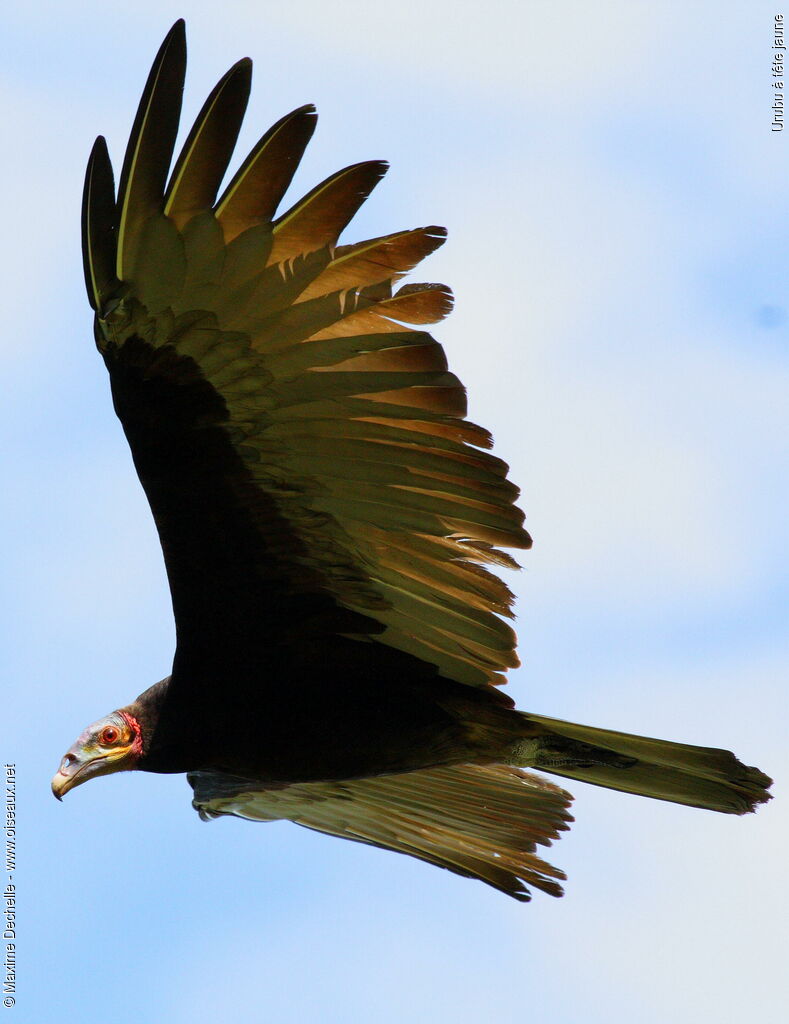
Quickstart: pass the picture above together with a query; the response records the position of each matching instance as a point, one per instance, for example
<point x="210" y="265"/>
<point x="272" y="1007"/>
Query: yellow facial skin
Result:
<point x="109" y="745"/>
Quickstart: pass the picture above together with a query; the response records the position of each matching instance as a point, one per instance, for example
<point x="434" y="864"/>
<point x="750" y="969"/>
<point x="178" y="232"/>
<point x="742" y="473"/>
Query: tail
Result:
<point x="678" y="772"/>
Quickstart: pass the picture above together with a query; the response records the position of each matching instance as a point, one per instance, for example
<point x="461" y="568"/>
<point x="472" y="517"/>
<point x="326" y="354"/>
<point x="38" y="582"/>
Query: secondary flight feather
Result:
<point x="328" y="517"/>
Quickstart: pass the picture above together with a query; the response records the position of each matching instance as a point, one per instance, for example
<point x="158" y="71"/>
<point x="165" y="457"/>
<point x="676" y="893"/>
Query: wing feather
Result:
<point x="478" y="822"/>
<point x="319" y="218"/>
<point x="206" y="153"/>
<point x="298" y="432"/>
<point x="99" y="226"/>
<point x="378" y="259"/>
<point x="257" y="189"/>
<point x="150" y="147"/>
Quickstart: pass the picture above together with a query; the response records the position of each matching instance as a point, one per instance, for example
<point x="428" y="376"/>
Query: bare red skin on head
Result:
<point x="136" y="747"/>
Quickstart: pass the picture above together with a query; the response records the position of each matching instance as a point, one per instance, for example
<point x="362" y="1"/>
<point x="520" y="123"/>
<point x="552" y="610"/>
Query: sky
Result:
<point x="617" y="210"/>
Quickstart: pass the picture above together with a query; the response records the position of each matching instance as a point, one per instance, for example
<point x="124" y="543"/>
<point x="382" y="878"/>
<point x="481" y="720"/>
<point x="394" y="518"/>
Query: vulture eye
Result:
<point x="108" y="735"/>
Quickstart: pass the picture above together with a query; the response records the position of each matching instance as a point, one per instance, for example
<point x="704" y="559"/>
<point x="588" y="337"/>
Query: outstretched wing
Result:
<point x="480" y="822"/>
<point x="298" y="434"/>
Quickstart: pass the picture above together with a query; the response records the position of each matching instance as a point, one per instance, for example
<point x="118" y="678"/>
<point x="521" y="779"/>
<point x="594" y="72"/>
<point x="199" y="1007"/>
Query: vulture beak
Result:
<point x="92" y="755"/>
<point x="75" y="768"/>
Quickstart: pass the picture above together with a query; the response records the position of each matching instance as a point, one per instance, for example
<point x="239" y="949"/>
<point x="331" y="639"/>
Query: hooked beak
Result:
<point x="75" y="768"/>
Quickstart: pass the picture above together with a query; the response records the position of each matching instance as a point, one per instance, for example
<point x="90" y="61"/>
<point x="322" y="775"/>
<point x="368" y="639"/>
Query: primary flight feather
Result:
<point x="327" y="517"/>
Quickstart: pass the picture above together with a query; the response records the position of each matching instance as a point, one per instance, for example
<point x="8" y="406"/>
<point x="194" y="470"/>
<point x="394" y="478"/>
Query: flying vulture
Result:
<point x="328" y="518"/>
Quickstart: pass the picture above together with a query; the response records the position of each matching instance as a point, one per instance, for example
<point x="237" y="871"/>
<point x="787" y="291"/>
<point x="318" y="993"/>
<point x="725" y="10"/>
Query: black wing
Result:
<point x="298" y="435"/>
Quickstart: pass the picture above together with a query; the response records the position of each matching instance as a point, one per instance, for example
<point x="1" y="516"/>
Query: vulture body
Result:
<point x="327" y="517"/>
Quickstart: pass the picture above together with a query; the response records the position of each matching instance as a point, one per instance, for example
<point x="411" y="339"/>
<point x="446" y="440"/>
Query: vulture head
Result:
<point x="112" y="744"/>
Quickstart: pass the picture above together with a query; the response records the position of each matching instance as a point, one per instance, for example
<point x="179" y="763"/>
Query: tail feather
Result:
<point x="678" y="772"/>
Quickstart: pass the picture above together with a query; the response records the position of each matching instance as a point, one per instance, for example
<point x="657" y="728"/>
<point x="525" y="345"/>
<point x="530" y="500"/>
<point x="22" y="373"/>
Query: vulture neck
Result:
<point x="165" y="747"/>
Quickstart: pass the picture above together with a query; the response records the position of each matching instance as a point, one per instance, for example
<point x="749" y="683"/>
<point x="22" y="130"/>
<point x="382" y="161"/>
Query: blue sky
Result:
<point x="617" y="209"/>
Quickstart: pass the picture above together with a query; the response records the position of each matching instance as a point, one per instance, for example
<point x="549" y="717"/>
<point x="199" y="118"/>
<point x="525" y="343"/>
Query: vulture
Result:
<point x="331" y="522"/>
